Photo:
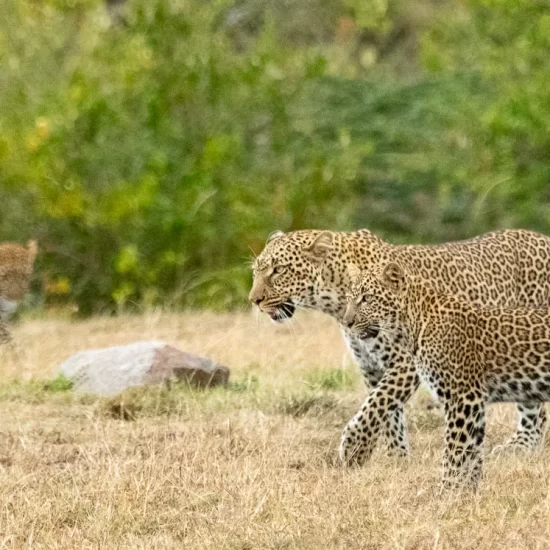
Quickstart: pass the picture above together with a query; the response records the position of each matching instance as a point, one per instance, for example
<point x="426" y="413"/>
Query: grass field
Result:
<point x="249" y="467"/>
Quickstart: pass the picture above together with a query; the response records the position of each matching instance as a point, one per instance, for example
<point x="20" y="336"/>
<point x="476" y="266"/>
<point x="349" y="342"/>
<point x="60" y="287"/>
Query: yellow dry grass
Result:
<point x="250" y="467"/>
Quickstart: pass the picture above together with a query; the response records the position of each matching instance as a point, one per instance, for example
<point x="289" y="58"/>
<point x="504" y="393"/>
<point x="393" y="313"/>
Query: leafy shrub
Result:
<point x="151" y="152"/>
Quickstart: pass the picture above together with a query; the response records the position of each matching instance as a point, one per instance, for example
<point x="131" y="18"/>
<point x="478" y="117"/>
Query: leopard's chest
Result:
<point x="375" y="354"/>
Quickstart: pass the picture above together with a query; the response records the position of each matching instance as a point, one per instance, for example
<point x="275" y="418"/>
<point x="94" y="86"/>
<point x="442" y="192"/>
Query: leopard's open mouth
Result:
<point x="282" y="312"/>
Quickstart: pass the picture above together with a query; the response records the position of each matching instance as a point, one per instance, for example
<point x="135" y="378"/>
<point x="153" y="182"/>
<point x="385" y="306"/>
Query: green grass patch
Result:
<point x="183" y="401"/>
<point x="35" y="390"/>
<point x="331" y="379"/>
<point x="248" y="383"/>
<point x="311" y="404"/>
<point x="180" y="400"/>
<point x="59" y="384"/>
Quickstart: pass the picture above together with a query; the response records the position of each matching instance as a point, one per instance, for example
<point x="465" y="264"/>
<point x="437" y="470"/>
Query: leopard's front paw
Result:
<point x="519" y="444"/>
<point x="355" y="447"/>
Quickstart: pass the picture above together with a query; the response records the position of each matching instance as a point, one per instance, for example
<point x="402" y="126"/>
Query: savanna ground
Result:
<point x="252" y="466"/>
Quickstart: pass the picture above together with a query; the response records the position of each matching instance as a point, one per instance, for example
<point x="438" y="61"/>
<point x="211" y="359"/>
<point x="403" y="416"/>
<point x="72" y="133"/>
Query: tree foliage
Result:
<point x="152" y="150"/>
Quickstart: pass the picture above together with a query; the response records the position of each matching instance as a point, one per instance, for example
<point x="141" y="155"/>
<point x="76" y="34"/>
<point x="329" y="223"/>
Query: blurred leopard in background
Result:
<point x="16" y="269"/>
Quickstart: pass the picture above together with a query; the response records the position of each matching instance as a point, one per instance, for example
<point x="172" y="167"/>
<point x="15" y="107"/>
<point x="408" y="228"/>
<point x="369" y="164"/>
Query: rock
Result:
<point x="109" y="371"/>
<point x="173" y="364"/>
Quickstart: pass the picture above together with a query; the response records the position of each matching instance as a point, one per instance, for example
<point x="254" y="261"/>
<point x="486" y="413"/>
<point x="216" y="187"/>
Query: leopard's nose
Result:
<point x="349" y="318"/>
<point x="256" y="298"/>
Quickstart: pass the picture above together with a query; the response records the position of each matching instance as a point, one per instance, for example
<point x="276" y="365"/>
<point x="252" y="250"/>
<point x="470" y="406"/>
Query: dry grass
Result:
<point x="250" y="467"/>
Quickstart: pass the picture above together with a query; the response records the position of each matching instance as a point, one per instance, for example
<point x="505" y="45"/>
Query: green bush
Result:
<point x="152" y="151"/>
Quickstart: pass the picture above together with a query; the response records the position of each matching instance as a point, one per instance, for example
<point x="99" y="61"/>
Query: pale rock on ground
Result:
<point x="111" y="370"/>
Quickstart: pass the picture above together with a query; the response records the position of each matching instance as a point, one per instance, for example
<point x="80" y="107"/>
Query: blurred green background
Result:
<point x="152" y="145"/>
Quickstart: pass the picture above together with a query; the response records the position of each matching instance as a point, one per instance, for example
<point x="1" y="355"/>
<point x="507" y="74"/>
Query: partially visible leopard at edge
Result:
<point x="307" y="269"/>
<point x="468" y="356"/>
<point x="16" y="268"/>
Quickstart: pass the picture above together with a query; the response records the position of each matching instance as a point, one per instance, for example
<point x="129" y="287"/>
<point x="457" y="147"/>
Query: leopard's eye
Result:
<point x="279" y="270"/>
<point x="364" y="299"/>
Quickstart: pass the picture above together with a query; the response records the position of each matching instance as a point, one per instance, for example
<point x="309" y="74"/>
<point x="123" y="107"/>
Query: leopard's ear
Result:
<point x="393" y="276"/>
<point x="274" y="235"/>
<point x="320" y="247"/>
<point x="354" y="273"/>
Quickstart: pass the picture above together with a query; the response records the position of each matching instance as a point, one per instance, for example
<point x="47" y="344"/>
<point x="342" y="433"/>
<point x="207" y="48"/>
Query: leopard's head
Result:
<point x="376" y="300"/>
<point x="16" y="268"/>
<point x="289" y="273"/>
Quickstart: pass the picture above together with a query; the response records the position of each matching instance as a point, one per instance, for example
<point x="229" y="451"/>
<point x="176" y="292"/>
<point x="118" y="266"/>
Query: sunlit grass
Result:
<point x="250" y="466"/>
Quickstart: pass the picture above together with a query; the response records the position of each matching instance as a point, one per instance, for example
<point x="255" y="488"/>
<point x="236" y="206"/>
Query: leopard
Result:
<point x="468" y="356"/>
<point x="16" y="269"/>
<point x="307" y="269"/>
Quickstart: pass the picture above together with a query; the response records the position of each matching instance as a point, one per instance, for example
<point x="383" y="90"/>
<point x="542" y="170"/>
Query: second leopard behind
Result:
<point x="467" y="356"/>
